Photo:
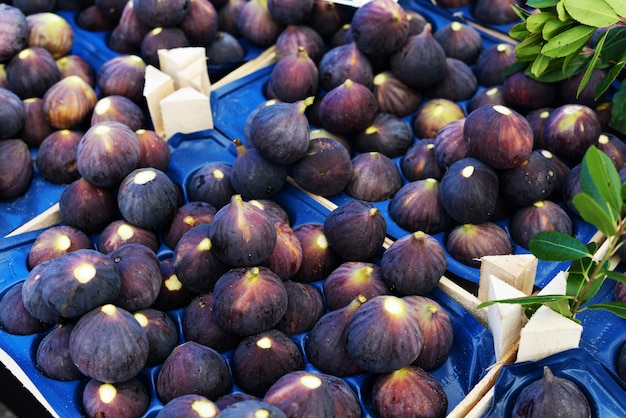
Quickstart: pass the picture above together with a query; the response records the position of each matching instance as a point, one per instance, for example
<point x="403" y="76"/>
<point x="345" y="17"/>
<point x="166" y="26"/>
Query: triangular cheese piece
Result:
<point x="171" y="61"/>
<point x="556" y="286"/>
<point x="195" y="75"/>
<point x="157" y="86"/>
<point x="185" y="111"/>
<point x="518" y="270"/>
<point x="505" y="320"/>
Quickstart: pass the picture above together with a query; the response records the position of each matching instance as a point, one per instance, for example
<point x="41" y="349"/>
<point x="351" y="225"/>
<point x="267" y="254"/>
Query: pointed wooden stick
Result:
<point x="47" y="218"/>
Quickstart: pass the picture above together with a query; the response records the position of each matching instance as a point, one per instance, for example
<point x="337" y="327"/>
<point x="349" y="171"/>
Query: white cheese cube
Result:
<point x="157" y="86"/>
<point x="517" y="270"/>
<point x="185" y="111"/>
<point x="505" y="320"/>
<point x="171" y="61"/>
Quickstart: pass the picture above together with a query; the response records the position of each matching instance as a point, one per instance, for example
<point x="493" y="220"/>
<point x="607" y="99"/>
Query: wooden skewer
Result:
<point x="47" y="218"/>
<point x="266" y="58"/>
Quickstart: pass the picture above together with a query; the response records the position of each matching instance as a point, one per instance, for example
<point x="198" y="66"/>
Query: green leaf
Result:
<point x="600" y="180"/>
<point x="557" y="246"/>
<point x="540" y="64"/>
<point x="610" y="77"/>
<point x="554" y="27"/>
<point x="577" y="275"/>
<point x="618" y="6"/>
<point x="561" y="307"/>
<point x="528" y="49"/>
<point x="556" y="72"/>
<point x="595" y="13"/>
<point x="568" y="42"/>
<point x="591" y="65"/>
<point x="618" y="308"/>
<point x="618" y="116"/>
<point x="535" y="21"/>
<point x="541" y="4"/>
<point x="614" y="48"/>
<point x="592" y="212"/>
<point x="561" y="12"/>
<point x="519" y="31"/>
<point x="527" y="300"/>
<point x="615" y="275"/>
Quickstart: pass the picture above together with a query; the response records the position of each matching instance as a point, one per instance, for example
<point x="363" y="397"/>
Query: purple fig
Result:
<point x="173" y="294"/>
<point x="32" y="72"/>
<point x="120" y="232"/>
<point x="496" y="12"/>
<point x="14" y="31"/>
<point x="535" y="179"/>
<point x="393" y="96"/>
<point x="228" y="17"/>
<point x="345" y="62"/>
<point x="130" y="398"/>
<point x="351" y="279"/>
<point x="187" y="406"/>
<point x="458" y="82"/>
<point x="161" y="38"/>
<point x="86" y="206"/>
<point x="380" y="27"/>
<point x="53" y="355"/>
<point x="305" y="306"/>
<point x="420" y="161"/>
<point x="339" y="113"/>
<point x="318" y="258"/>
<point x="56" y="157"/>
<point x="199" y="325"/>
<point x="186" y="217"/>
<point x="492" y="62"/>
<point x="12" y="113"/>
<point x="434" y="115"/>
<point x="388" y="135"/>
<point x="128" y="33"/>
<point x="225" y="49"/>
<point x="326" y="18"/>
<point x="460" y="41"/>
<point x="162" y="334"/>
<point x="92" y="19"/>
<point x="491" y="96"/>
<point x="467" y="243"/>
<point x="523" y="92"/>
<point x="614" y="147"/>
<point x="118" y="109"/>
<point x="16" y="168"/>
<point x="255" y="177"/>
<point x="450" y="143"/>
<point x="375" y="177"/>
<point x="161" y="14"/>
<point x="130" y="69"/>
<point x="541" y="216"/>
<point x="69" y="102"/>
<point x="155" y="152"/>
<point x="256" y="24"/>
<point x="200" y="22"/>
<point x="288" y="12"/>
<point x="50" y="31"/>
<point x="295" y="36"/>
<point x="211" y="184"/>
<point x="55" y="242"/>
<point x="15" y="318"/>
<point x="36" y="127"/>
<point x="286" y="257"/>
<point x="294" y="77"/>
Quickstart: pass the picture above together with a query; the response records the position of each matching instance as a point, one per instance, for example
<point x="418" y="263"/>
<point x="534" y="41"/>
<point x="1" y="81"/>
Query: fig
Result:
<point x="155" y="152"/>
<point x="126" y="36"/>
<point x="251" y="408"/>
<point x="421" y="393"/>
<point x="228" y="17"/>
<point x="384" y="334"/>
<point x="375" y="177"/>
<point x="571" y="187"/>
<point x="53" y="355"/>
<point x="12" y="113"/>
<point x="130" y="398"/>
<point x="457" y="84"/>
<point x="225" y="49"/>
<point x="342" y="234"/>
<point x="380" y="27"/>
<point x="388" y="135"/>
<point x="491" y="96"/>
<point x="420" y="162"/>
<point x="249" y="300"/>
<point x="347" y="108"/>
<point x="56" y="156"/>
<point x="326" y="18"/>
<point x="467" y="243"/>
<point x="434" y="115"/>
<point x="120" y="109"/>
<point x="107" y="153"/>
<point x="421" y="61"/>
<point x="69" y="102"/>
<point x="460" y="41"/>
<point x="36" y="126"/>
<point x="469" y="191"/>
<point x="186" y="217"/>
<point x="112" y="9"/>
<point x="346" y="400"/>
<point x="542" y="396"/>
<point x="301" y="393"/>
<point x="120" y="232"/>
<point x="305" y="306"/>
<point x="351" y="279"/>
<point x="32" y="296"/>
<point x="450" y="143"/>
<point x="161" y="14"/>
<point x="344" y="62"/>
<point x="161" y="38"/>
<point x="86" y="206"/>
<point x="108" y="344"/>
<point x="256" y="24"/>
<point x="294" y="77"/>
<point x="200" y="22"/>
<point x="281" y="132"/>
<point x="15" y="318"/>
<point x="242" y="234"/>
<point x="50" y="31"/>
<point x="325" y="344"/>
<point x="286" y="257"/>
<point x="537" y="119"/>
<point x="531" y="181"/>
<point x="162" y="334"/>
<point x="92" y="19"/>
<point x="289" y="12"/>
<point x="147" y="198"/>
<point x="173" y="294"/>
<point x="16" y="168"/>
<point x="14" y="31"/>
<point x="318" y="258"/>
<point x="523" y="92"/>
<point x="195" y="260"/>
<point x="567" y="89"/>
<point x="55" y="242"/>
<point x="199" y="325"/>
<point x="273" y="209"/>
<point x="492" y="62"/>
<point x="188" y="405"/>
<point x="613" y="147"/>
<point x="32" y="72"/>
<point x="226" y="401"/>
<point x="325" y="169"/>
<point x="496" y="12"/>
<point x="211" y="183"/>
<point x="122" y="75"/>
<point x="393" y="96"/>
<point x="342" y="36"/>
<point x="543" y="215"/>
<point x="413" y="264"/>
<point x="193" y="368"/>
<point x="261" y="359"/>
<point x="570" y="130"/>
<point x="255" y="177"/>
<point x="295" y="36"/>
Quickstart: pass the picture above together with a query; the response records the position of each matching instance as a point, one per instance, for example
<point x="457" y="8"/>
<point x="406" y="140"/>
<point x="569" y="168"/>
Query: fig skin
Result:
<point x="126" y="36"/>
<point x="16" y="168"/>
<point x="199" y="325"/>
<point x="413" y="264"/>
<point x="469" y="191"/>
<point x="108" y="344"/>
<point x="226" y="401"/>
<point x="326" y="18"/>
<point x="32" y="296"/>
<point x="53" y="355"/>
<point x="523" y="92"/>
<point x="187" y="405"/>
<point x="193" y="368"/>
<point x="186" y="217"/>
<point x="56" y="156"/>
<point x="155" y="152"/>
<point x="419" y="162"/>
<point x="255" y="177"/>
<point x="225" y="49"/>
<point x="109" y="77"/>
<point x="467" y="243"/>
<point x="325" y="344"/>
<point x="228" y="17"/>
<point x="159" y="14"/>
<point x="55" y="242"/>
<point x="388" y="135"/>
<point x="305" y="307"/>
<point x="300" y="35"/>
<point x="261" y="359"/>
<point x="341" y="231"/>
<point x="15" y="28"/>
<point x="294" y="77"/>
<point x="286" y="257"/>
<point x="491" y="96"/>
<point x="393" y="96"/>
<point x="162" y="334"/>
<point x="69" y="102"/>
<point x="15" y="318"/>
<point x="87" y="207"/>
<point x="161" y="38"/>
<point x="211" y="183"/>
<point x="460" y="41"/>
<point x="288" y="12"/>
<point x="351" y="279"/>
<point x="325" y="169"/>
<point x="92" y="19"/>
<point x="256" y="24"/>
<point x="613" y="147"/>
<point x="36" y="126"/>
<point x="384" y="335"/>
<point x="281" y="132"/>
<point x="301" y="393"/>
<point x="110" y="8"/>
<point x="173" y="294"/>
<point x="492" y="62"/>
<point x="12" y="113"/>
<point x="50" y="31"/>
<point x="345" y="62"/>
<point x="273" y="209"/>
<point x="148" y="198"/>
<point x="543" y="215"/>
<point x="200" y="22"/>
<point x="242" y="234"/>
<point x="118" y="109"/>
<point x="433" y="115"/>
<point x="498" y="136"/>
<point x="120" y="232"/>
<point x="420" y="392"/>
<point x="458" y="83"/>
<point x="318" y="258"/>
<point x="380" y="27"/>
<point x="496" y="12"/>
<point x="251" y="408"/>
<point x="552" y="395"/>
<point x="375" y="177"/>
<point x="130" y="398"/>
<point x="533" y="180"/>
<point x="347" y="108"/>
<point x="450" y="143"/>
<point x="537" y="119"/>
<point x="32" y="72"/>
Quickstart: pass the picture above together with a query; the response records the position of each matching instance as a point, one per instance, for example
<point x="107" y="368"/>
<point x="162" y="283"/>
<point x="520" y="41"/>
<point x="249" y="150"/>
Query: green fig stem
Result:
<point x="239" y="147"/>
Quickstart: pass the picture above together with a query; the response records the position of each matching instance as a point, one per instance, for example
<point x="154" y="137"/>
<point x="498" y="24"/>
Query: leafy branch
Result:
<point x="602" y="203"/>
<point x="567" y="37"/>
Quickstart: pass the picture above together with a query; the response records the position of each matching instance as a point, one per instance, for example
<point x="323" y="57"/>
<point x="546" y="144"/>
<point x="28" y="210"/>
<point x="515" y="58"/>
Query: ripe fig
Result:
<point x="69" y="102"/>
<point x="161" y="14"/>
<point x="305" y="306"/>
<point x="523" y="92"/>
<point x="542" y="396"/>
<point x="173" y="294"/>
<point x="36" y="126"/>
<point x="347" y="108"/>
<point x="457" y="84"/>
<point x="110" y="8"/>
<point x="126" y="36"/>
<point x="537" y="119"/>
<point x="491" y="96"/>
<point x="251" y="408"/>
<point x="32" y="72"/>
<point x="199" y="325"/>
<point x="346" y="400"/>
<point x="301" y="35"/>
<point x="469" y="191"/>
<point x="255" y="177"/>
<point x="188" y="405"/>
<point x="122" y="75"/>
<point x="200" y="22"/>
<point x="498" y="136"/>
<point x="53" y="355"/>
<point x="375" y="177"/>
<point x="56" y="241"/>
<point x="15" y="318"/>
<point x="434" y="115"/>
<point x="393" y="96"/>
<point x="12" y="113"/>
<point x="380" y="27"/>
<point x="130" y="398"/>
<point x="249" y="300"/>
<point x="14" y="31"/>
<point x="571" y="187"/>
<point x="92" y="19"/>
<point x="492" y="62"/>
<point x="460" y="41"/>
<point x="467" y="243"/>
<point x="294" y="77"/>
<point x="344" y="62"/>
<point x="86" y="206"/>
<point x="16" y="168"/>
<point x="224" y="49"/>
<point x="118" y="109"/>
<point x="533" y="180"/>
<point x="256" y="24"/>
<point x="50" y="31"/>
<point x="288" y="12"/>
<point x="388" y="135"/>
<point x="318" y="258"/>
<point x="228" y="17"/>
<point x="351" y="279"/>
<point x="161" y="38"/>
<point x="120" y="232"/>
<point x="421" y="61"/>
<point x="496" y="12"/>
<point x="301" y="393"/>
<point x="326" y="18"/>
<point x="450" y="143"/>
<point x="613" y="147"/>
<point x="543" y="215"/>
<point x="272" y="209"/>
<point x="193" y="368"/>
<point x="286" y="257"/>
<point x="186" y="217"/>
<point x="56" y="157"/>
<point x="108" y="344"/>
<point x="420" y="162"/>
<point x="384" y="334"/>
<point x="211" y="184"/>
<point x="73" y="64"/>
<point x="162" y="334"/>
<point x="32" y="297"/>
<point x="155" y="152"/>
<point x="342" y="234"/>
<point x="567" y="89"/>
